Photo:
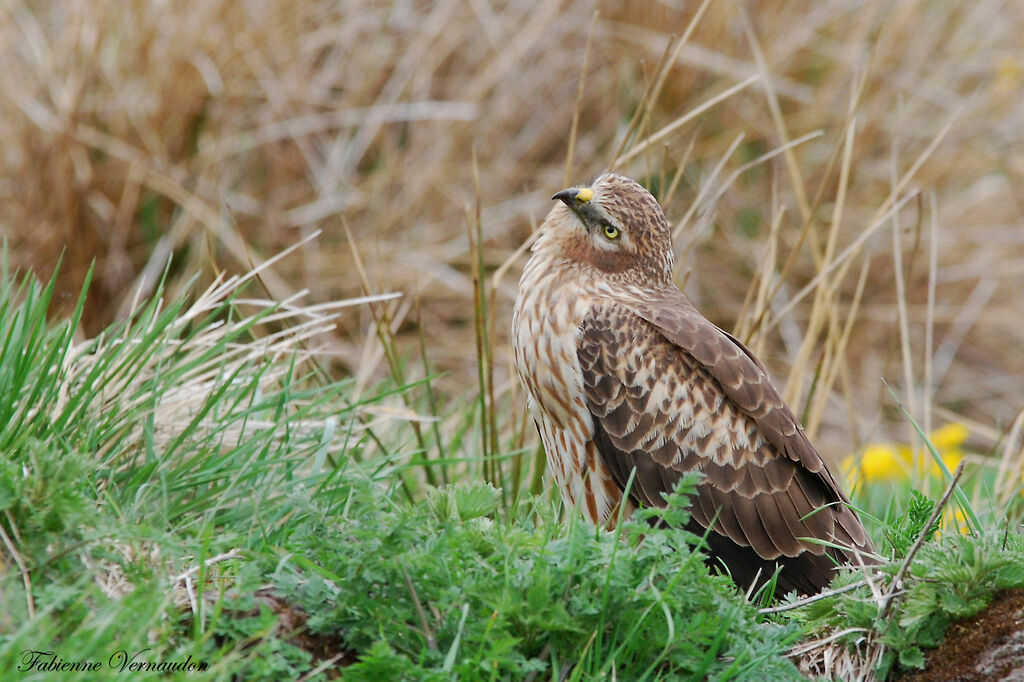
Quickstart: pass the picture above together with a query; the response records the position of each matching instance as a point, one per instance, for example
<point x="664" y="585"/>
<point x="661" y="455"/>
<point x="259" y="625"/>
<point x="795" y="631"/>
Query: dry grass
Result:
<point x="220" y="132"/>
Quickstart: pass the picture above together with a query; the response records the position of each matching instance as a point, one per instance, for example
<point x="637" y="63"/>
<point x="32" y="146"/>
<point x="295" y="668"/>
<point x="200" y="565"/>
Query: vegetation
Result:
<point x="220" y="465"/>
<point x="201" y="456"/>
<point x="240" y="513"/>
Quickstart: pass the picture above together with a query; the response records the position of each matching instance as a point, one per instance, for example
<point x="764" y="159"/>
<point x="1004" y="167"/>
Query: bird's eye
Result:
<point x="611" y="232"/>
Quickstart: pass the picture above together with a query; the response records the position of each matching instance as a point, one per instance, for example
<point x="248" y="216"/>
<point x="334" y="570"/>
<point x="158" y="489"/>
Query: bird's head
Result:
<point x="613" y="225"/>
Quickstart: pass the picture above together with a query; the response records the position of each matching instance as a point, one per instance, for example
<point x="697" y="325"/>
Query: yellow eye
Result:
<point x="611" y="232"/>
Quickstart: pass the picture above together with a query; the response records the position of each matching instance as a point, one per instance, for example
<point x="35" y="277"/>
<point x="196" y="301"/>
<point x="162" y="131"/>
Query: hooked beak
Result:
<point x="575" y="196"/>
<point x="578" y="201"/>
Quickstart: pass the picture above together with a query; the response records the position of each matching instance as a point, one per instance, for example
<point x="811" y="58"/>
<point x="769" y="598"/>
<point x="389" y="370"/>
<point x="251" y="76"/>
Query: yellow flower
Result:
<point x="952" y="435"/>
<point x="948" y="441"/>
<point x="1008" y="75"/>
<point x="955" y="517"/>
<point x="880" y="462"/>
<point x="894" y="462"/>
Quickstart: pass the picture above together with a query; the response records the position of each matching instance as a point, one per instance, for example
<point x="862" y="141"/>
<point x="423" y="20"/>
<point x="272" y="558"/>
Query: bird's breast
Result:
<point x="545" y="330"/>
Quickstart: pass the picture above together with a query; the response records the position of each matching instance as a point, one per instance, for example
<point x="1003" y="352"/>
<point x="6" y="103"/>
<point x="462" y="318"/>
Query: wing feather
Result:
<point x="669" y="393"/>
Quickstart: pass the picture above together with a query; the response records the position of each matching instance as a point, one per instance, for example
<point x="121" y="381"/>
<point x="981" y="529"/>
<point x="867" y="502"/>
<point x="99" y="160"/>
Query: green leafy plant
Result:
<point x="907" y="527"/>
<point x="449" y="587"/>
<point x="186" y="462"/>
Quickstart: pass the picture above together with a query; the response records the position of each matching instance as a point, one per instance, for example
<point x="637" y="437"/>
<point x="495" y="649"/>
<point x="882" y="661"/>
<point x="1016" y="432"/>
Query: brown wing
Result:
<point x="670" y="393"/>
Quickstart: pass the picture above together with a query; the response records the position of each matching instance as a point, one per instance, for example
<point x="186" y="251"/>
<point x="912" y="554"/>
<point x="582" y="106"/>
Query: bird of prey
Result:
<point x="623" y="373"/>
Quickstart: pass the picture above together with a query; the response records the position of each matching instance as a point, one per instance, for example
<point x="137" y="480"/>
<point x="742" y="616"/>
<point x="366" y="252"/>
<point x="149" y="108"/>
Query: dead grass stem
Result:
<point x="777" y="135"/>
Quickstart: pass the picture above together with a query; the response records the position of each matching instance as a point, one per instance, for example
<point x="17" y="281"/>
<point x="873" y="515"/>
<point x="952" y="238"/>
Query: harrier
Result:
<point x="622" y="373"/>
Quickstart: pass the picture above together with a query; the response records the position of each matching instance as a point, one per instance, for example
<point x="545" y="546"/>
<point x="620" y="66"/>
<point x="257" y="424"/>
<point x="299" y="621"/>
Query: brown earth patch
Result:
<point x="988" y="646"/>
<point x="327" y="649"/>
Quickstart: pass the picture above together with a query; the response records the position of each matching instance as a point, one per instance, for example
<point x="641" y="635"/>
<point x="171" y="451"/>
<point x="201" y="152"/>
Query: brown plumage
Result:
<point x="623" y="373"/>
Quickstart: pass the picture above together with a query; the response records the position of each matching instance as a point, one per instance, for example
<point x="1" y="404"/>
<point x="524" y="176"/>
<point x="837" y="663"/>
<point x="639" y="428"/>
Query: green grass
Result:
<point x="450" y="587"/>
<point x="156" y="478"/>
<point x="189" y="488"/>
<point x="186" y="432"/>
<point x="952" y="577"/>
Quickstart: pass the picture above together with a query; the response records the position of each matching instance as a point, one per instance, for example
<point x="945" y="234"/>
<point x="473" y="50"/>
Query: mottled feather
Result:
<point x="624" y="375"/>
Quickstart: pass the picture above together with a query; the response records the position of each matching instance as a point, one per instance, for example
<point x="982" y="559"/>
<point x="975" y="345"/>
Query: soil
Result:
<point x="326" y="649"/>
<point x="988" y="646"/>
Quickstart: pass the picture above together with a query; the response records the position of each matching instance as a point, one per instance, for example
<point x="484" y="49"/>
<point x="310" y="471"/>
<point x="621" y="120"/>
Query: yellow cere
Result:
<point x="585" y="195"/>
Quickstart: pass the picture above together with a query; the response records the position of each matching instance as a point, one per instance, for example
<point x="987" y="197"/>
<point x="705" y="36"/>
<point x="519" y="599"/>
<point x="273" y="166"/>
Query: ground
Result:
<point x="988" y="646"/>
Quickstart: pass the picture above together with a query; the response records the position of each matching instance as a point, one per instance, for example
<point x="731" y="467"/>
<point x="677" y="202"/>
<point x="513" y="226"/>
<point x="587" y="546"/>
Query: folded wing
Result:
<point x="670" y="393"/>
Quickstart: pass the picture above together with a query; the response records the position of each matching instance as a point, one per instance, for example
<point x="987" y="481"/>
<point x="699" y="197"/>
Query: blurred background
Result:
<point x="215" y="134"/>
